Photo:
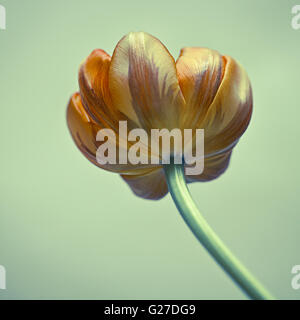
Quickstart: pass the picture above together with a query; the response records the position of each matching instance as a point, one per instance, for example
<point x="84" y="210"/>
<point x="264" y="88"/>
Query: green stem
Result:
<point x="208" y="238"/>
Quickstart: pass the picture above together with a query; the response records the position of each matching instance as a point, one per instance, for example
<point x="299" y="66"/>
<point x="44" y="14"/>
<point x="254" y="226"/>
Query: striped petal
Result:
<point x="93" y="83"/>
<point x="84" y="132"/>
<point x="143" y="82"/>
<point x="200" y="72"/>
<point x="150" y="185"/>
<point x="230" y="113"/>
<point x="82" y="127"/>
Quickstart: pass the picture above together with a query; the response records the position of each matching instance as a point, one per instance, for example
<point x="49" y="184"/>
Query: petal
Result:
<point x="200" y="72"/>
<point x="82" y="127"/>
<point x="150" y="185"/>
<point x="213" y="167"/>
<point x="230" y="112"/>
<point x="143" y="82"/>
<point x="93" y="83"/>
<point x="84" y="131"/>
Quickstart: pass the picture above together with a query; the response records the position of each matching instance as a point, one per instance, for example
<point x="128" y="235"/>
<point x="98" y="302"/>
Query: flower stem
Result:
<point x="207" y="237"/>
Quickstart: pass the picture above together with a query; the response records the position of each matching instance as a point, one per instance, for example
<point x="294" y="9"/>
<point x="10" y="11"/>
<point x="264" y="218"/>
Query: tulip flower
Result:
<point x="143" y="85"/>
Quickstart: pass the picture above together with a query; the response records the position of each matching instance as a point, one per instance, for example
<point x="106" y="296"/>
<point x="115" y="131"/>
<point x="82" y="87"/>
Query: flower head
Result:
<point x="142" y="84"/>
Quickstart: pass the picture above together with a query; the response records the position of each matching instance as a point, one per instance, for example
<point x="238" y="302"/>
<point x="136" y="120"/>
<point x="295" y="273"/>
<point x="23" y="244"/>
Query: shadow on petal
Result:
<point x="151" y="185"/>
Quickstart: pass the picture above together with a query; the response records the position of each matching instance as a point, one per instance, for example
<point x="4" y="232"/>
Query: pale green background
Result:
<point x="71" y="230"/>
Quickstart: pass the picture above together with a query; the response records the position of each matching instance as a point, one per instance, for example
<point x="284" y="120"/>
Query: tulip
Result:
<point x="143" y="85"/>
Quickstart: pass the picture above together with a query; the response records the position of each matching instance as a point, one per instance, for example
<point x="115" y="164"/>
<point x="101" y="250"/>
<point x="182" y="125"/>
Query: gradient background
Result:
<point x="71" y="230"/>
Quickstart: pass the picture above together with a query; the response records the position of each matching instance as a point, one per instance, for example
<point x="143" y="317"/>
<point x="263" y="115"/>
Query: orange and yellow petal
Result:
<point x="93" y="83"/>
<point x="84" y="132"/>
<point x="82" y="127"/>
<point x="213" y="167"/>
<point x="200" y="72"/>
<point x="143" y="82"/>
<point x="230" y="112"/>
<point x="149" y="185"/>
